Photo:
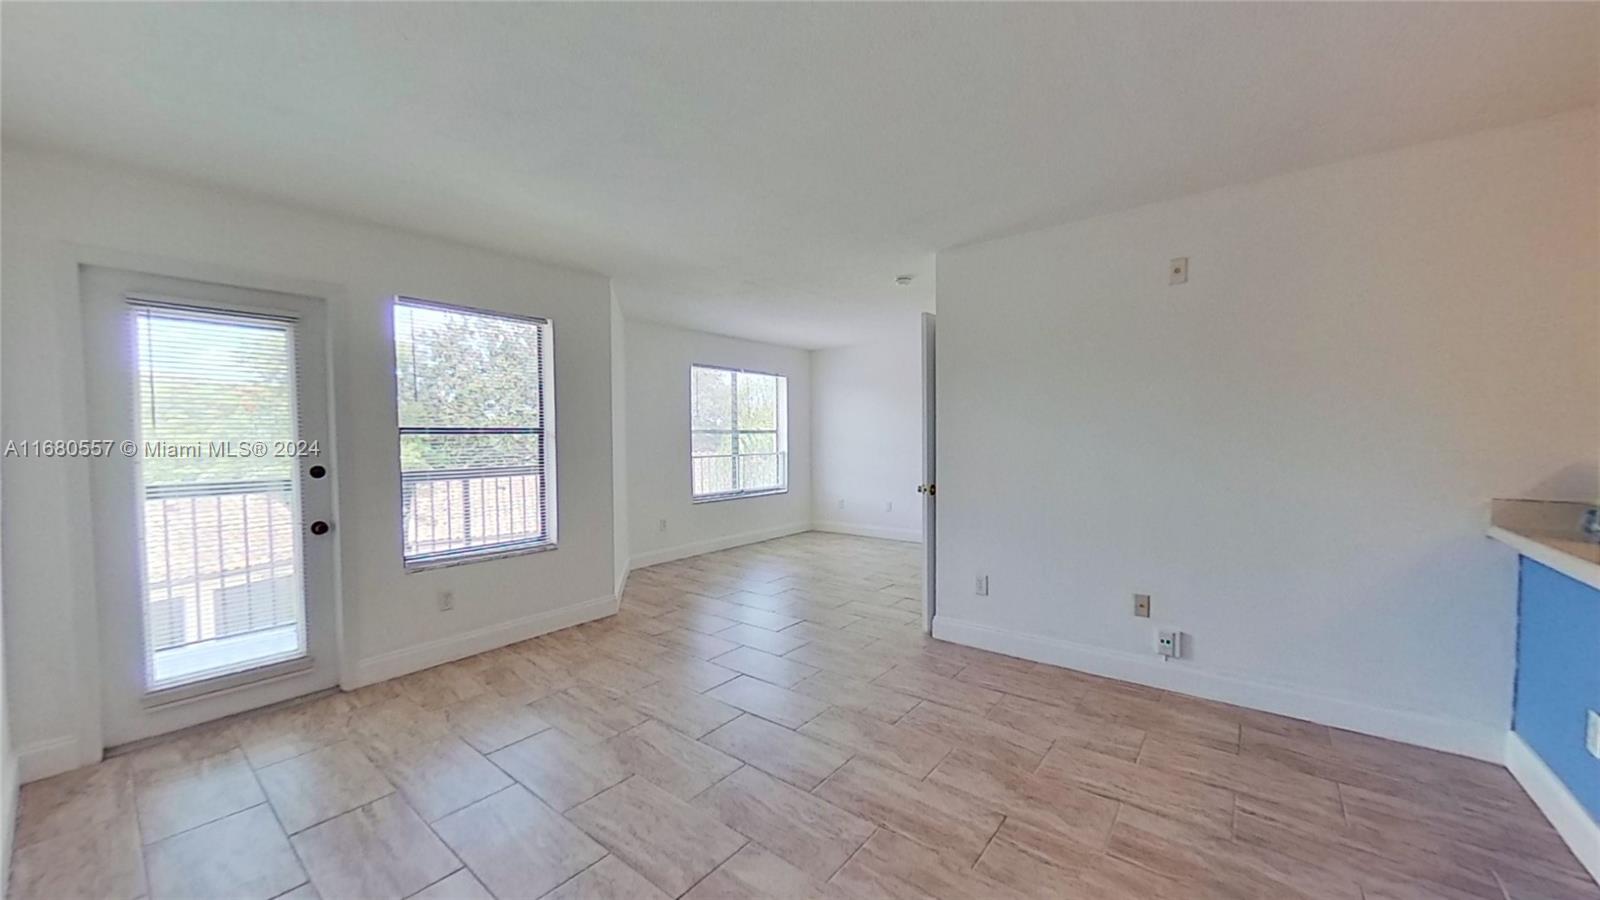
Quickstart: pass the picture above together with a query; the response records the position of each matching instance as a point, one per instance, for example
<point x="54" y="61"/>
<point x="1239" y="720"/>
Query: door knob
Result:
<point x="319" y="528"/>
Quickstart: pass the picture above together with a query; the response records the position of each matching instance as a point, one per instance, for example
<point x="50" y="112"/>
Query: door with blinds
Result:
<point x="213" y="498"/>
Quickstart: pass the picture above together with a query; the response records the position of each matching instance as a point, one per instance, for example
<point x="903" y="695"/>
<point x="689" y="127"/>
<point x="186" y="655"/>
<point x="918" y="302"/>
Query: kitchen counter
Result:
<point x="1549" y="532"/>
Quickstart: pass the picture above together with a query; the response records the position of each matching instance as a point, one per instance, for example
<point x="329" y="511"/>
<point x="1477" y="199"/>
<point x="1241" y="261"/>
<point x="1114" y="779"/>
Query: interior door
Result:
<point x="930" y="484"/>
<point x="213" y="498"/>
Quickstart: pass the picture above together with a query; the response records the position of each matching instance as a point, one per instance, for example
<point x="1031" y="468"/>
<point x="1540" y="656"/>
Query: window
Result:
<point x="740" y="433"/>
<point x="476" y="421"/>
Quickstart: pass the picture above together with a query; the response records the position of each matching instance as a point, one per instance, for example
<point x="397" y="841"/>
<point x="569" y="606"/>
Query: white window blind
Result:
<point x="476" y="418"/>
<point x="739" y="424"/>
<point x="223" y="586"/>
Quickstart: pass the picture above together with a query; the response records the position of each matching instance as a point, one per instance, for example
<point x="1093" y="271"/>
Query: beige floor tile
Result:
<point x="809" y="833"/>
<point x="788" y="755"/>
<point x="1052" y="819"/>
<point x="389" y="726"/>
<point x="307" y="891"/>
<point x="516" y="845"/>
<point x="1161" y="792"/>
<point x="975" y="734"/>
<point x="1057" y="687"/>
<point x="1068" y="727"/>
<point x="101" y="860"/>
<point x="68" y="803"/>
<point x="672" y="844"/>
<point x="442" y="686"/>
<point x="682" y="670"/>
<point x="608" y="879"/>
<point x="774" y="642"/>
<point x="515" y="678"/>
<point x="677" y="764"/>
<point x="275" y="735"/>
<point x="906" y="749"/>
<point x="563" y="772"/>
<point x="690" y="712"/>
<point x="489" y="723"/>
<point x="178" y="797"/>
<point x="441" y="777"/>
<point x="850" y="692"/>
<point x="892" y="866"/>
<point x="842" y="661"/>
<point x="376" y="851"/>
<point x="699" y="645"/>
<point x="768" y="701"/>
<point x="179" y="750"/>
<point x="951" y="822"/>
<point x="830" y="637"/>
<point x="1266" y="781"/>
<point x="765" y="666"/>
<point x="459" y="886"/>
<point x="243" y="856"/>
<point x="757" y="874"/>
<point x="613" y="675"/>
<point x="919" y="682"/>
<point x="319" y="785"/>
<point x="697" y="621"/>
<point x="587" y="715"/>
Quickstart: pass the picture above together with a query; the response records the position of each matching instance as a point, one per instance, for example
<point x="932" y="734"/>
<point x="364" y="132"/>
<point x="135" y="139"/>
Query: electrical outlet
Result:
<point x="1592" y="734"/>
<point x="1178" y="270"/>
<point x="981" y="586"/>
<point x="661" y="525"/>
<point x="447" y="601"/>
<point x="888" y="506"/>
<point x="841" y="503"/>
<point x="1169" y="643"/>
<point x="1141" y="605"/>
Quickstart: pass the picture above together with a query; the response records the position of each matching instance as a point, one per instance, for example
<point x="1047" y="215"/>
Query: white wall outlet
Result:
<point x="841" y="503"/>
<point x="1169" y="643"/>
<point x="888" y="506"/>
<point x="447" y="601"/>
<point x="981" y="586"/>
<point x="661" y="525"/>
<point x="1591" y="738"/>
<point x="1178" y="270"/>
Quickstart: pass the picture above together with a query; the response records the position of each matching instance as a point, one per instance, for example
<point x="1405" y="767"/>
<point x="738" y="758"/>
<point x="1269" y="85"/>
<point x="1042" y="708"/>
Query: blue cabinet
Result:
<point x="1558" y="675"/>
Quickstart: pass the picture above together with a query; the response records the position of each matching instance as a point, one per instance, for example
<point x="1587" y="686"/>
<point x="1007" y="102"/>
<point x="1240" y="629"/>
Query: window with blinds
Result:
<point x="739" y="433"/>
<point x="476" y="423"/>
<point x="224" y="587"/>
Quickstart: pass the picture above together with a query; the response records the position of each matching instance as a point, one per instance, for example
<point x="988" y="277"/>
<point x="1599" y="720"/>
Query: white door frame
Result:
<point x="125" y="713"/>
<point x="930" y="483"/>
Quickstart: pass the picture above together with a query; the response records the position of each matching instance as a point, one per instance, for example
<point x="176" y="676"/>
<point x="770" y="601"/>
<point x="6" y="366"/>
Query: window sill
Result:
<point x="445" y="562"/>
<point x="718" y="498"/>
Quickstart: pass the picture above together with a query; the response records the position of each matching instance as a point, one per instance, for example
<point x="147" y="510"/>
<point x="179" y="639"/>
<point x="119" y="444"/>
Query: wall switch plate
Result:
<point x="447" y="601"/>
<point x="981" y="586"/>
<point x="1141" y="605"/>
<point x="841" y="503"/>
<point x="888" y="506"/>
<point x="1592" y="734"/>
<point x="1169" y="644"/>
<point x="661" y="525"/>
<point x="1178" y="270"/>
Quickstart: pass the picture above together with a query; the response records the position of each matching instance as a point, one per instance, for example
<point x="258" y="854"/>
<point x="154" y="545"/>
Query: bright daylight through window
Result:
<point x="740" y="433"/>
<point x="476" y="433"/>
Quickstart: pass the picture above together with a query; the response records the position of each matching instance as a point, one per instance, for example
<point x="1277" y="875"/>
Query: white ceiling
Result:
<point x="766" y="170"/>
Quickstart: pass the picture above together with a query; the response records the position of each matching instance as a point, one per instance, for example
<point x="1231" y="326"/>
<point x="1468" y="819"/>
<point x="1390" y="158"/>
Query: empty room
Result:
<point x="811" y="451"/>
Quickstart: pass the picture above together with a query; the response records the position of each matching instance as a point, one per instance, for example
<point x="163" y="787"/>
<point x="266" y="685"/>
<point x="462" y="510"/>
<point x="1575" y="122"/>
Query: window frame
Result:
<point x="781" y="436"/>
<point x="546" y="432"/>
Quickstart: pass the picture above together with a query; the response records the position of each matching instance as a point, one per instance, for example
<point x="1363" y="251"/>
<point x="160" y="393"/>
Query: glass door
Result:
<point x="213" y="511"/>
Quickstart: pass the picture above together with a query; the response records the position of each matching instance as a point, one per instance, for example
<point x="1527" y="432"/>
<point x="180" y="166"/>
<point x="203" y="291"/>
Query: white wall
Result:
<point x="866" y="443"/>
<point x="54" y="207"/>
<point x="619" y="448"/>
<point x="1294" y="451"/>
<point x="659" y="358"/>
<point x="8" y="756"/>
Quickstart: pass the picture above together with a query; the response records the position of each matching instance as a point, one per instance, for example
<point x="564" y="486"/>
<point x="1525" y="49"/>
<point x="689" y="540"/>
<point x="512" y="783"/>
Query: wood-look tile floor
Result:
<point x="769" y="721"/>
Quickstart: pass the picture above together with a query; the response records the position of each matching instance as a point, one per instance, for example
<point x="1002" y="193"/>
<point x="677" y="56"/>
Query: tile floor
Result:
<point x="770" y="722"/>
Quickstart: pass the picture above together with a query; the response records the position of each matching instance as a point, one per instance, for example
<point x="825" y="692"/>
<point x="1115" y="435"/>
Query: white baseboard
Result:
<point x="684" y="551"/>
<point x="395" y="663"/>
<point x="52" y="756"/>
<point x="912" y="535"/>
<point x="1474" y="739"/>
<point x="1570" y="819"/>
<point x="621" y="585"/>
<point x="8" y="815"/>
